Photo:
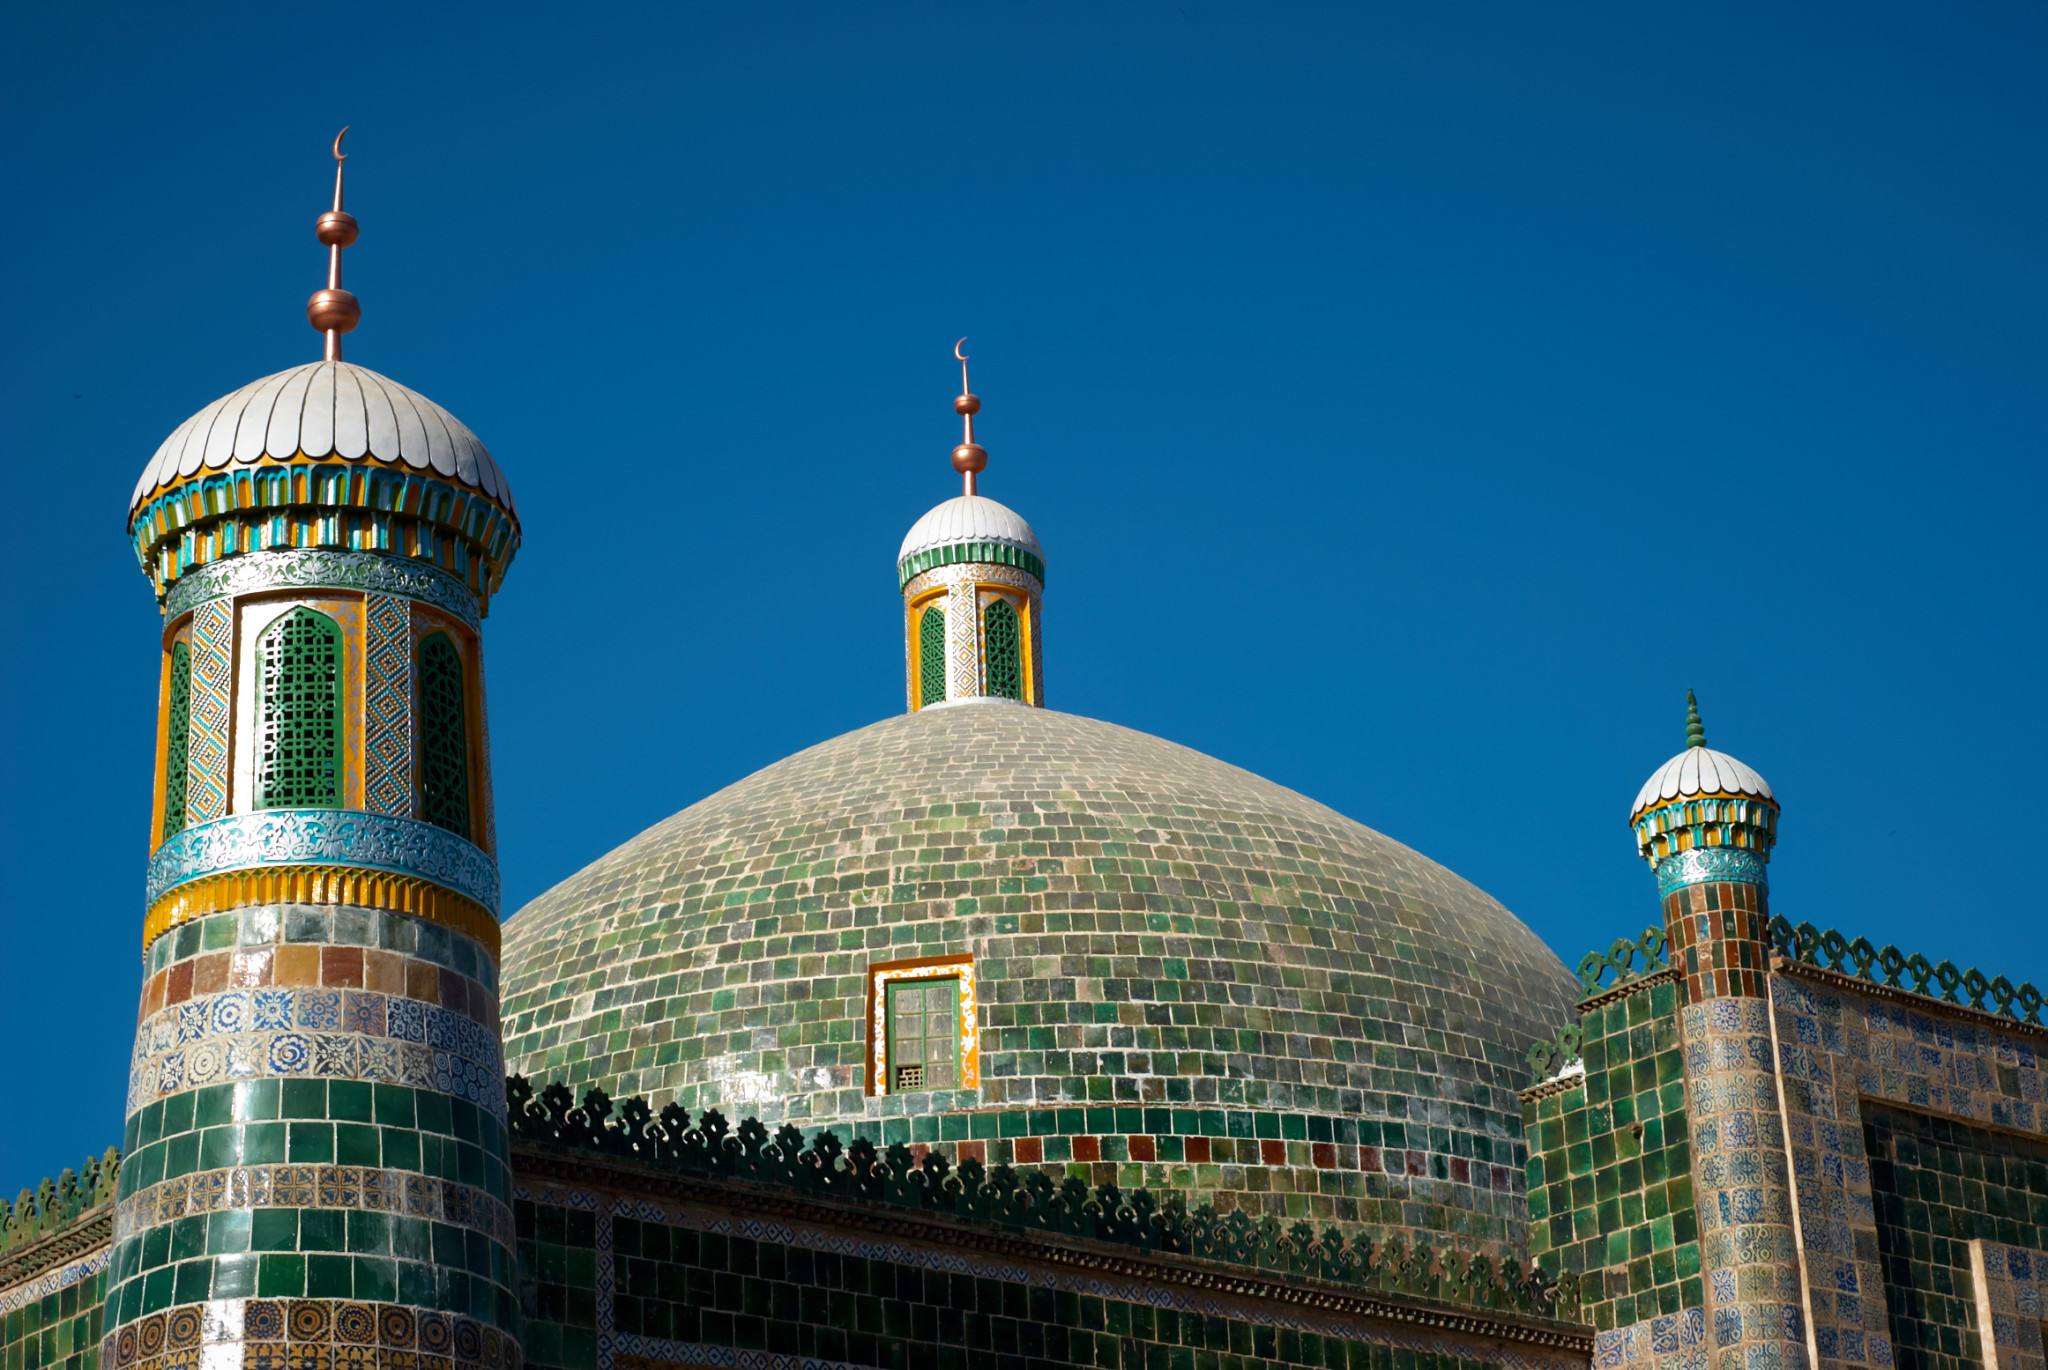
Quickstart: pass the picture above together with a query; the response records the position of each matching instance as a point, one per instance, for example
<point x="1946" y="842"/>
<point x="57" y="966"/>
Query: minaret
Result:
<point x="316" y="1160"/>
<point x="973" y="579"/>
<point x="1706" y="823"/>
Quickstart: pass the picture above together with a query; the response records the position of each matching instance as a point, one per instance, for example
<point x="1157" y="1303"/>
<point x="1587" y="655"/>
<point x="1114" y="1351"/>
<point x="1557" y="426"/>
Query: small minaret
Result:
<point x="973" y="579"/>
<point x="1706" y="823"/>
<point x="316" y="1167"/>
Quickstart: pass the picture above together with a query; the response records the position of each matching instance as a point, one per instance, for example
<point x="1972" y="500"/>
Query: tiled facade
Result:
<point x="621" y="1280"/>
<point x="1610" y="1163"/>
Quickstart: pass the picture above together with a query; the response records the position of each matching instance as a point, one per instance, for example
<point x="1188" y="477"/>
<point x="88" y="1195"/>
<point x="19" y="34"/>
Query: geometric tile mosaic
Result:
<point x="387" y="704"/>
<point x="213" y="628"/>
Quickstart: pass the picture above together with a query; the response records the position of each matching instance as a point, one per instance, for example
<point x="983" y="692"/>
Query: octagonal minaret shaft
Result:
<point x="973" y="581"/>
<point x="316" y="1169"/>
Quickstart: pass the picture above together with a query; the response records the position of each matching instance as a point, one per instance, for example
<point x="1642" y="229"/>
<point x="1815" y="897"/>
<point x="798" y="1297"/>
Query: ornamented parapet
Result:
<point x="1626" y="961"/>
<point x="1033" y="1201"/>
<point x="1914" y="974"/>
<point x="56" y="1204"/>
<point x="1555" y="1055"/>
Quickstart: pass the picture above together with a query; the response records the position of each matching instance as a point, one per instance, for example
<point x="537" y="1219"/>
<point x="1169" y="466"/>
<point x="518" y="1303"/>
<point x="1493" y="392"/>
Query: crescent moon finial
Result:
<point x="957" y="353"/>
<point x="339" y="155"/>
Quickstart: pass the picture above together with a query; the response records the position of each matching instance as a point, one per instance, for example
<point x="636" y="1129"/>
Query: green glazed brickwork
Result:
<point x="1610" y="1181"/>
<point x="693" y="1297"/>
<point x="288" y="1177"/>
<point x="1151" y="928"/>
<point x="1936" y="1184"/>
<point x="59" y="1330"/>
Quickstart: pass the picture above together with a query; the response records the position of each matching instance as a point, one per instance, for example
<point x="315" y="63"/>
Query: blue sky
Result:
<point x="1413" y="401"/>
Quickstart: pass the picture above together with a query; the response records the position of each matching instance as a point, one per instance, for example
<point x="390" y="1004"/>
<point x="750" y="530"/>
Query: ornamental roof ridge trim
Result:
<point x="55" y="1205"/>
<point x="1939" y="982"/>
<point x="318" y="410"/>
<point x="1631" y="962"/>
<point x="858" y="1171"/>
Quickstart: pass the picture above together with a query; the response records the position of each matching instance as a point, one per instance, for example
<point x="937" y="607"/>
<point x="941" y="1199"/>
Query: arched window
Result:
<point x="298" y="727"/>
<point x="444" y="736"/>
<point x="931" y="656"/>
<point x="1002" y="650"/>
<point x="177" y="739"/>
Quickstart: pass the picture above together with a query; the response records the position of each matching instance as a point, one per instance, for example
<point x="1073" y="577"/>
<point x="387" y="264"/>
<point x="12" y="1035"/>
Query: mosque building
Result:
<point x="984" y="1035"/>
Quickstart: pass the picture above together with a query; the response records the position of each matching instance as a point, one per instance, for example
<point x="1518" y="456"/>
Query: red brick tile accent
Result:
<point x="1273" y="1153"/>
<point x="1087" y="1148"/>
<point x="972" y="1151"/>
<point x="210" y="973"/>
<point x="1030" y="1150"/>
<point x="1142" y="1149"/>
<point x="1324" y="1154"/>
<point x="250" y="968"/>
<point x="341" y="967"/>
<point x="1198" y="1150"/>
<point x="179" y="986"/>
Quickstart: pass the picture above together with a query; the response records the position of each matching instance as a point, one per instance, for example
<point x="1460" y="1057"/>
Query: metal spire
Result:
<point x="970" y="457"/>
<point x="1695" y="731"/>
<point x="335" y="311"/>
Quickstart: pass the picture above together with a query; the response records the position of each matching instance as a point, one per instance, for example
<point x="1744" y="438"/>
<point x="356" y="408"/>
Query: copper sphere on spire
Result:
<point x="970" y="458"/>
<point x="964" y="405"/>
<point x="333" y="310"/>
<point x="337" y="228"/>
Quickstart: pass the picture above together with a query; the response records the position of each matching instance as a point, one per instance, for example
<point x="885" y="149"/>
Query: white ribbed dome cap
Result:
<point x="969" y="518"/>
<point x="1697" y="771"/>
<point x="324" y="409"/>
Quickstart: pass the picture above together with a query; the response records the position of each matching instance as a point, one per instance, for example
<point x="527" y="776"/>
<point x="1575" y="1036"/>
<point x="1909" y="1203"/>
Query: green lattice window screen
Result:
<point x="298" y="730"/>
<point x="931" y="656"/>
<point x="444" y="736"/>
<point x="178" y="739"/>
<point x="924" y="1034"/>
<point x="1002" y="650"/>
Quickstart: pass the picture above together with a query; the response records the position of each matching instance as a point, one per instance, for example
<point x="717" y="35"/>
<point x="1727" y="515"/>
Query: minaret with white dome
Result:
<point x="315" y="1152"/>
<point x="1706" y="823"/>
<point x="973" y="579"/>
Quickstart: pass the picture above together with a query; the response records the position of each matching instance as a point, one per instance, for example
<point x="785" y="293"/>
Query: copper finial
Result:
<point x="970" y="457"/>
<point x="335" y="311"/>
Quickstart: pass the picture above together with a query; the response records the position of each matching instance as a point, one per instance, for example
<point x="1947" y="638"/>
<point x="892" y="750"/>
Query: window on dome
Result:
<point x="298" y="729"/>
<point x="444" y="736"/>
<point x="177" y="739"/>
<point x="1002" y="650"/>
<point x="924" y="1035"/>
<point x="931" y="656"/>
<point x="921" y="1028"/>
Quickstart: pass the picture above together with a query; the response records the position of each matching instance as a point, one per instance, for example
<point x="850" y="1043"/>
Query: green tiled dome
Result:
<point x="1188" y="977"/>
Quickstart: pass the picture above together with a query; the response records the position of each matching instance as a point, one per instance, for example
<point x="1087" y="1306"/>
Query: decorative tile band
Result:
<point x="230" y="1018"/>
<point x="323" y="568"/>
<point x="280" y="1054"/>
<point x="985" y="553"/>
<point x="1706" y="821"/>
<point x="44" y="1285"/>
<point x="327" y="837"/>
<point x="343" y="507"/>
<point x="357" y="1188"/>
<point x="1711" y="865"/>
<point x="306" y="1334"/>
<point x="335" y="886"/>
